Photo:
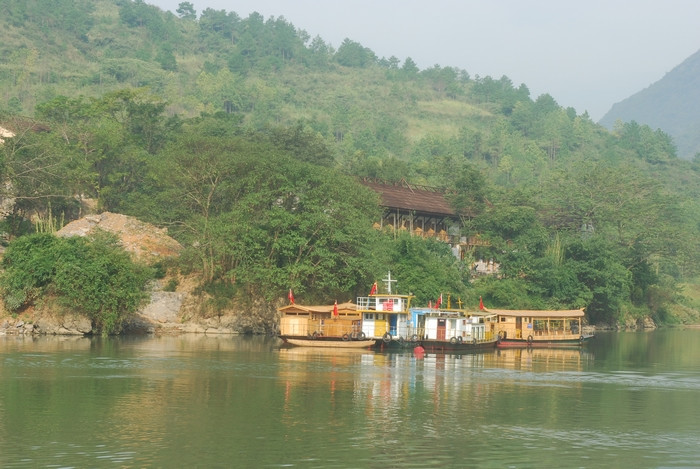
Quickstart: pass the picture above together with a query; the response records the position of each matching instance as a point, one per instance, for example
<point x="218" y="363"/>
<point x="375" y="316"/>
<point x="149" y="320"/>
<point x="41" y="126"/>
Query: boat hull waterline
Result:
<point x="544" y="343"/>
<point x="329" y="343"/>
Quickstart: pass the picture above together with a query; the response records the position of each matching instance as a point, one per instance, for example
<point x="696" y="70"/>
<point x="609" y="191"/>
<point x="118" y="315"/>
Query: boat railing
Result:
<point x="382" y="303"/>
<point x="327" y="328"/>
<point x="331" y="329"/>
<point x="465" y="335"/>
<point x="548" y="334"/>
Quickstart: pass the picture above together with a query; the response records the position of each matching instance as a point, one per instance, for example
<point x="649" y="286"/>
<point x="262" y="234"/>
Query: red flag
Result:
<point x="290" y="296"/>
<point x="335" y="309"/>
<point x="373" y="290"/>
<point x="439" y="301"/>
<point x="481" y="303"/>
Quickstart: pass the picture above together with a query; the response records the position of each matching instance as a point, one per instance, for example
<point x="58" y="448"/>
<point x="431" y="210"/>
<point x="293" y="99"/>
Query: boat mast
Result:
<point x="388" y="281"/>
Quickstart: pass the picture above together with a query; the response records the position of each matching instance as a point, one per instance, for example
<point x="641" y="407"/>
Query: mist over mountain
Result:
<point x="670" y="104"/>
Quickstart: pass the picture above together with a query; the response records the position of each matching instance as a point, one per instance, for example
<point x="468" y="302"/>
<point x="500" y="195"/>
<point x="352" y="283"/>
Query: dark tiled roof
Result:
<point x="404" y="196"/>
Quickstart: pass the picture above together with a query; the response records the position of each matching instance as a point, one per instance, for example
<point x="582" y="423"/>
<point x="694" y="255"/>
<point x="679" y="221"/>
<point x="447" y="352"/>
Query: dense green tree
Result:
<point x="409" y="67"/>
<point x="41" y="172"/>
<point x="598" y="267"/>
<point x="186" y="11"/>
<point x="470" y="192"/>
<point x="302" y="143"/>
<point x="353" y="54"/>
<point x="426" y="268"/>
<point x="263" y="219"/>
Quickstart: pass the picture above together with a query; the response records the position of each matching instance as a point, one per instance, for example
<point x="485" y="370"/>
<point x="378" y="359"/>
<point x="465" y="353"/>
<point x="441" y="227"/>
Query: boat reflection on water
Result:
<point x="530" y="359"/>
<point x="541" y="359"/>
<point x="302" y="353"/>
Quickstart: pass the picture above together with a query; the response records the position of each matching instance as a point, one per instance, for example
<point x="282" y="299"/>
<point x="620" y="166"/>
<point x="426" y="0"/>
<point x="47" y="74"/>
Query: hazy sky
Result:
<point x="588" y="54"/>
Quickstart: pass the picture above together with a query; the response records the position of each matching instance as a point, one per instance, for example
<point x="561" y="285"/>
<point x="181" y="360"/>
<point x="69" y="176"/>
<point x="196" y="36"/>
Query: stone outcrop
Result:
<point x="144" y="241"/>
<point x="50" y="324"/>
<point x="4" y="133"/>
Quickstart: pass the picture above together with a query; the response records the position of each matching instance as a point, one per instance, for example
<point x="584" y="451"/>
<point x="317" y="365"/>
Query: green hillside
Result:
<point x="245" y="137"/>
<point x="669" y="104"/>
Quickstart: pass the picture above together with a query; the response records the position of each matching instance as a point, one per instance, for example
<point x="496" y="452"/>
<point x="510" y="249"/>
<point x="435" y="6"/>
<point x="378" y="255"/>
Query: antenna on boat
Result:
<point x="388" y="281"/>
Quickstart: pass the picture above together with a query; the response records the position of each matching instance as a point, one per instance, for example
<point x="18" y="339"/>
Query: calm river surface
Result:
<point x="625" y="400"/>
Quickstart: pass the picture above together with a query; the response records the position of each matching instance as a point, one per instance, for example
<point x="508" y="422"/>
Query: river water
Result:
<point x="624" y="400"/>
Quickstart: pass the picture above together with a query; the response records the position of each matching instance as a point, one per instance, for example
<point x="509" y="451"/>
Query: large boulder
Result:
<point x="144" y="241"/>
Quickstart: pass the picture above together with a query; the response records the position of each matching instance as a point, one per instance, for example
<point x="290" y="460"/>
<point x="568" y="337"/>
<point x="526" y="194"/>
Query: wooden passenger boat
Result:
<point x="336" y="325"/>
<point x="540" y="328"/>
<point x="452" y="330"/>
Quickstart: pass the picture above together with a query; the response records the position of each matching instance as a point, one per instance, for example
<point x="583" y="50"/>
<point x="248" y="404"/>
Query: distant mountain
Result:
<point x="672" y="104"/>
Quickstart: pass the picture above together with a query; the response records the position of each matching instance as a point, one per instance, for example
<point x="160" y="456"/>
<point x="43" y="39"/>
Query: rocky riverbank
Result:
<point x="167" y="312"/>
<point x="176" y="312"/>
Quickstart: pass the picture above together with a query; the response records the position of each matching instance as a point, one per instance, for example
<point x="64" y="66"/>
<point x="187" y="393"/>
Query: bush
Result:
<point x="93" y="276"/>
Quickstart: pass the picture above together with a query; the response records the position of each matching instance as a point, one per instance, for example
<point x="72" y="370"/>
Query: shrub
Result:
<point x="93" y="276"/>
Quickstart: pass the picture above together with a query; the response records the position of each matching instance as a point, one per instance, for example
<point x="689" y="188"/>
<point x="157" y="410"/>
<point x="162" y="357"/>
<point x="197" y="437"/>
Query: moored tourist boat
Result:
<point x="540" y="328"/>
<point x="336" y="325"/>
<point x="385" y="315"/>
<point x="452" y="330"/>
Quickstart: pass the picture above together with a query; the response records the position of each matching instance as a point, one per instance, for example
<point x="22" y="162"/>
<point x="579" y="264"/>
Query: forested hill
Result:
<point x="244" y="136"/>
<point x="670" y="104"/>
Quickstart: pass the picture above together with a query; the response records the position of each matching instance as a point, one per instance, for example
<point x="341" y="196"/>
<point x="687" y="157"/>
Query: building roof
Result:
<point x="404" y="196"/>
<point x="560" y="314"/>
<point x="296" y="308"/>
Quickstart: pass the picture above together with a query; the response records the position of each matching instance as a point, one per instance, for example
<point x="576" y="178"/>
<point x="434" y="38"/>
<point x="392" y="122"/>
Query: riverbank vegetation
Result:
<point x="246" y="138"/>
<point x="94" y="277"/>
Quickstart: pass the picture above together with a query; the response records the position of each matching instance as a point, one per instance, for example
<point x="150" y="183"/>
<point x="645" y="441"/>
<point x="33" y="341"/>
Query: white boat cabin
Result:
<point x="452" y="326"/>
<point x="384" y="314"/>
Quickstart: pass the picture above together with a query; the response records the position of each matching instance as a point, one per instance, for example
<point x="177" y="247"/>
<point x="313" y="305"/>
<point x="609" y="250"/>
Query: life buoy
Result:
<point x="453" y="340"/>
<point x="414" y="338"/>
<point x="459" y="339"/>
<point x="346" y="337"/>
<point x="581" y="339"/>
<point x="314" y="335"/>
<point x="473" y="341"/>
<point x="529" y="339"/>
<point x="362" y="336"/>
<point x="386" y="337"/>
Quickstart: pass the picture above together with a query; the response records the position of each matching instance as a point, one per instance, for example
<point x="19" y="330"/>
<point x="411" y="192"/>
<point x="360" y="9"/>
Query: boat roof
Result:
<point x="388" y="295"/>
<point x="451" y="313"/>
<point x="348" y="306"/>
<point x="538" y="313"/>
